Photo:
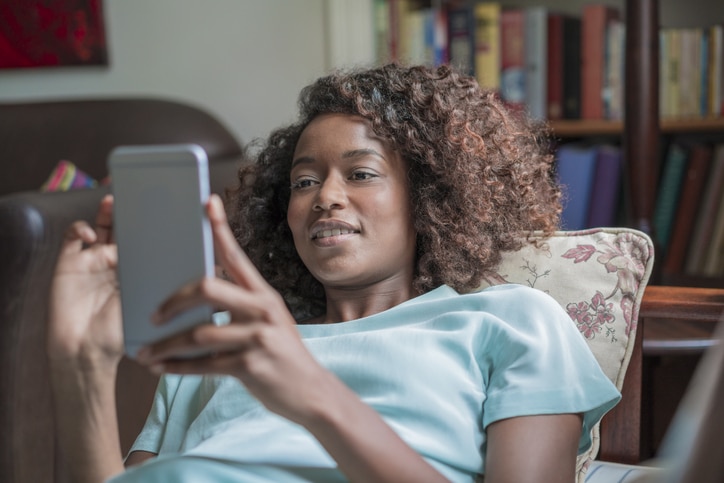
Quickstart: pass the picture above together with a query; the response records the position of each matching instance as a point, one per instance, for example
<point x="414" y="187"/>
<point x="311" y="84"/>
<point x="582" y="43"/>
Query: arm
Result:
<point x="262" y="348"/>
<point x="530" y="449"/>
<point x="85" y="343"/>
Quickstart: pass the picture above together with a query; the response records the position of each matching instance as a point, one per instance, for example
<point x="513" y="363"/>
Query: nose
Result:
<point x="331" y="195"/>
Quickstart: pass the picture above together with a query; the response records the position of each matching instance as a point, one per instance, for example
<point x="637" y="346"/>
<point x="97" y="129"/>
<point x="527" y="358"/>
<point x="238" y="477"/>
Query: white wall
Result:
<point x="243" y="60"/>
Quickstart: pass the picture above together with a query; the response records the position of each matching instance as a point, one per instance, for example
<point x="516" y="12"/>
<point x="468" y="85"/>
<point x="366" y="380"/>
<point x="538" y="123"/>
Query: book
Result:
<point x="554" y="52"/>
<point x="512" y="58"/>
<point x="689" y="73"/>
<point x="613" y="88"/>
<point x="409" y="31"/>
<point x="606" y="187"/>
<point x="594" y="24"/>
<point x="705" y="218"/>
<point x="381" y="10"/>
<point x="575" y="170"/>
<point x="716" y="66"/>
<point x="692" y="185"/>
<point x="461" y="38"/>
<point x="487" y="44"/>
<point x="670" y="58"/>
<point x="572" y="68"/>
<point x="440" y="36"/>
<point x="535" y="44"/>
<point x="713" y="265"/>
<point x="563" y="70"/>
<point x="705" y="38"/>
<point x="667" y="195"/>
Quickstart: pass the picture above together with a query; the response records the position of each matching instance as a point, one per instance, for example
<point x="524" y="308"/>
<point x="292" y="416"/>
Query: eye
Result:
<point x="303" y="183"/>
<point x="362" y="176"/>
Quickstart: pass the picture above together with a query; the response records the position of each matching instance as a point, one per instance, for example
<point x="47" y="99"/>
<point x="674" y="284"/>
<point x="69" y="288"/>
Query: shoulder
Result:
<point x="513" y="301"/>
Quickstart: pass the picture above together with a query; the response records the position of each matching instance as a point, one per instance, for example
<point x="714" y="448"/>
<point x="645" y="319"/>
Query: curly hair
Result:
<point x="480" y="176"/>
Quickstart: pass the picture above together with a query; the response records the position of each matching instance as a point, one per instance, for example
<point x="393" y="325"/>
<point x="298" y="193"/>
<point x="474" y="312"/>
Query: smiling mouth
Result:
<point x="331" y="233"/>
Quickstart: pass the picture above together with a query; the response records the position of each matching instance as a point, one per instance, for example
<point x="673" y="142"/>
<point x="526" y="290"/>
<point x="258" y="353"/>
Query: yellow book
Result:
<point x="487" y="44"/>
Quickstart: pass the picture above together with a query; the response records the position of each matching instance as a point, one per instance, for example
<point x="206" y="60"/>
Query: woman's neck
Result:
<point x="345" y="304"/>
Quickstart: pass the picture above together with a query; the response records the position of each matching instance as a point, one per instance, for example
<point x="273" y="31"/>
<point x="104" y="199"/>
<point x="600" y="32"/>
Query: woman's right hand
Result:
<point x="84" y="320"/>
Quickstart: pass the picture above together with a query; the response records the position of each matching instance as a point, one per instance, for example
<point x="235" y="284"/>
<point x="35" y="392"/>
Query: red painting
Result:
<point x="44" y="33"/>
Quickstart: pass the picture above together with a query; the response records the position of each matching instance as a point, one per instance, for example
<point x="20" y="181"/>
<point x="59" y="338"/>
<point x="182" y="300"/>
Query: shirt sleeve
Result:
<point x="151" y="436"/>
<point x="541" y="364"/>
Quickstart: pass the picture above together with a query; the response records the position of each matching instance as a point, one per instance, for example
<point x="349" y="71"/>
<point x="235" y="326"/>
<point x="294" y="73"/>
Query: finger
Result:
<point x="104" y="220"/>
<point x="232" y="258"/>
<point x="198" y="343"/>
<point x="226" y="363"/>
<point x="76" y="235"/>
<point x="216" y="292"/>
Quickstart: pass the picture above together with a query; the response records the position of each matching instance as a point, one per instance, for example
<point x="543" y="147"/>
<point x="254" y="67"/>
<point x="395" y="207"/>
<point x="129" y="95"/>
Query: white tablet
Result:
<point x="163" y="234"/>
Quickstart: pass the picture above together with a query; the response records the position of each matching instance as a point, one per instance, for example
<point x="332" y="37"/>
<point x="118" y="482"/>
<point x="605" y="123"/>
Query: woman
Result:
<point x="352" y="352"/>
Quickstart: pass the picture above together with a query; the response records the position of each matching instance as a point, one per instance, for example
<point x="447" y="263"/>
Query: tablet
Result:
<point x="163" y="234"/>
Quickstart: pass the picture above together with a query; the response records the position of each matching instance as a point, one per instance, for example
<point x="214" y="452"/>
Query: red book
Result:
<point x="692" y="186"/>
<point x="594" y="25"/>
<point x="555" y="66"/>
<point x="512" y="58"/>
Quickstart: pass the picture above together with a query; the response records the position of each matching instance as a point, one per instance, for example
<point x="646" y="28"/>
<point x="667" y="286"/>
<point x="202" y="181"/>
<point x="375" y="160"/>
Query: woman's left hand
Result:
<point x="260" y="346"/>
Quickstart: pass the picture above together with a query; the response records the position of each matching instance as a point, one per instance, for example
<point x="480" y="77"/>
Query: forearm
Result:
<point x="85" y="415"/>
<point x="363" y="445"/>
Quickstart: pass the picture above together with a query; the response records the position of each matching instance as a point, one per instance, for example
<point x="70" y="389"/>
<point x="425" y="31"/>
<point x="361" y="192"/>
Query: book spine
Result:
<point x="691" y="189"/>
<point x="716" y="65"/>
<point x="572" y="68"/>
<point x="487" y="45"/>
<point x="713" y="265"/>
<point x="512" y="78"/>
<point x="554" y="82"/>
<point x="614" y="70"/>
<point x="534" y="44"/>
<point x="440" y="52"/>
<point x="382" y="31"/>
<point x="704" y="72"/>
<point x="668" y="193"/>
<point x="575" y="168"/>
<point x="606" y="187"/>
<point x="595" y="20"/>
<point x="673" y="57"/>
<point x="707" y="216"/>
<point x="461" y="36"/>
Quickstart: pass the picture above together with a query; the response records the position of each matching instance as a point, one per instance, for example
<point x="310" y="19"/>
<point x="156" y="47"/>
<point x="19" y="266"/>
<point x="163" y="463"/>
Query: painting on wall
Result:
<point x="51" y="33"/>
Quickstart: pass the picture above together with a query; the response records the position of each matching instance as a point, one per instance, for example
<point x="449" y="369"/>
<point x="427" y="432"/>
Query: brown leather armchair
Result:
<point x="33" y="138"/>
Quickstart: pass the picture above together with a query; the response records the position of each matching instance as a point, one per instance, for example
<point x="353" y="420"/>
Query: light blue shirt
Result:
<point x="438" y="368"/>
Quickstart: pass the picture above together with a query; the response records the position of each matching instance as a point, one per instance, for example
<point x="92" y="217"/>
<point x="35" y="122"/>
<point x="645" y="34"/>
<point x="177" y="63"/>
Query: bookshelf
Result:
<point x="634" y="124"/>
<point x="588" y="128"/>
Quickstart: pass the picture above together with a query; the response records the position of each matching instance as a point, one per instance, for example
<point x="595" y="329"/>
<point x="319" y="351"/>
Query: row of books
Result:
<point x="689" y="207"/>
<point x="555" y="65"/>
<point x="591" y="177"/>
<point x="691" y="68"/>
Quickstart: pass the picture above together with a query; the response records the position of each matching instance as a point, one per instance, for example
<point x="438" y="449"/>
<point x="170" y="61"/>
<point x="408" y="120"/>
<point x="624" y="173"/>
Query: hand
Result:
<point x="84" y="323"/>
<point x="260" y="346"/>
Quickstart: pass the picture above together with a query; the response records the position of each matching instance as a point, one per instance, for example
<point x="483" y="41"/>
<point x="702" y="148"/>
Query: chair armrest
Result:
<point x="690" y="303"/>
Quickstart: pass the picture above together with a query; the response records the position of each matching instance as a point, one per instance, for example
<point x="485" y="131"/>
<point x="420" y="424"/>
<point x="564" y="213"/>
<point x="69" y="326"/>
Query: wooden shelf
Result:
<point x="583" y="128"/>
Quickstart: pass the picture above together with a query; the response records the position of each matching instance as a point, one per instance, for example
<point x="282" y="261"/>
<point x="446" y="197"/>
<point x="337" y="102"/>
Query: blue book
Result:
<point x="667" y="196"/>
<point x="606" y="187"/>
<point x="576" y="168"/>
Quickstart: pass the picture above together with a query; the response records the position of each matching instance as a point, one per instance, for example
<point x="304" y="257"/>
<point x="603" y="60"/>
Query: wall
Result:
<point x="243" y="60"/>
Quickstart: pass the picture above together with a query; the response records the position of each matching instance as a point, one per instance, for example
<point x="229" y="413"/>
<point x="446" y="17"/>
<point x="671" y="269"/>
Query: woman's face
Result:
<point x="349" y="210"/>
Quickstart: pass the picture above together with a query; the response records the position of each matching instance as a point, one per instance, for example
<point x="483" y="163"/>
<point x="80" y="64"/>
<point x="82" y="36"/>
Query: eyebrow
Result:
<point x="354" y="153"/>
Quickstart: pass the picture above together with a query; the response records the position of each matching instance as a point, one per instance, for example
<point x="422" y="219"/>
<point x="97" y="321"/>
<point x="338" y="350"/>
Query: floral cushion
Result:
<point x="598" y="276"/>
